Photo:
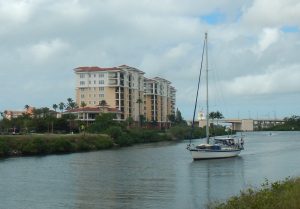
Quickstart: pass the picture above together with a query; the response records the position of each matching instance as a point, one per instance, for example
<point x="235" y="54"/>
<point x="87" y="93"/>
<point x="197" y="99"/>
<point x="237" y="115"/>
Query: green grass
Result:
<point x="277" y="195"/>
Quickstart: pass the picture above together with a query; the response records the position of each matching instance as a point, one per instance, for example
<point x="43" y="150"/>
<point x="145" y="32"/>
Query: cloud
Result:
<point x="272" y="14"/>
<point x="43" y="51"/>
<point x="268" y="37"/>
<point x="276" y="80"/>
<point x="15" y="11"/>
<point x="251" y="51"/>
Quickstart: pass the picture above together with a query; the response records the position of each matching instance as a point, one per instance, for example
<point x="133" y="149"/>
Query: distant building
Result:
<point x="9" y="114"/>
<point x="125" y="89"/>
<point x="89" y="114"/>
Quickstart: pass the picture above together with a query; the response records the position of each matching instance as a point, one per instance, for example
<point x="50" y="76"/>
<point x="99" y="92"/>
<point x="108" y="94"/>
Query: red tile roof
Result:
<point x="93" y="69"/>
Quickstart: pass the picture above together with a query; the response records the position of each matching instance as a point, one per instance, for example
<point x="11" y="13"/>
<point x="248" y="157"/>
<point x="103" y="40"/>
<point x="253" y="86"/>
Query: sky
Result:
<point x="253" y="50"/>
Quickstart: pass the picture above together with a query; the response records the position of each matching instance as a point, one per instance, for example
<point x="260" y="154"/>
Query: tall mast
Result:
<point x="207" y="111"/>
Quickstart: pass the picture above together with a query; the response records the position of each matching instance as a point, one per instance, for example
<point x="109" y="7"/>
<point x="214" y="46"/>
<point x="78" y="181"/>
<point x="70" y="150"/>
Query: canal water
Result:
<point x="158" y="175"/>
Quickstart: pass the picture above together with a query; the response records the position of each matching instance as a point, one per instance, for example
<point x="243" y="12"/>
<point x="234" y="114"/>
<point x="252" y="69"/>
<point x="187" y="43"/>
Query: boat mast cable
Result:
<point x="195" y="107"/>
<point x="207" y="111"/>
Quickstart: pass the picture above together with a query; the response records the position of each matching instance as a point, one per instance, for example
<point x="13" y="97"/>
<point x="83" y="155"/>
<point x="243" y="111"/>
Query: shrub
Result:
<point x="4" y="148"/>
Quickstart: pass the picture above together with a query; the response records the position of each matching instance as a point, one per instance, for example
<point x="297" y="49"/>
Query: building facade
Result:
<point x="126" y="89"/>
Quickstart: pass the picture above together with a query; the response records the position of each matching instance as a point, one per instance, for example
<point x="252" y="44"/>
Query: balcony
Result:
<point x="112" y="82"/>
<point x="113" y="75"/>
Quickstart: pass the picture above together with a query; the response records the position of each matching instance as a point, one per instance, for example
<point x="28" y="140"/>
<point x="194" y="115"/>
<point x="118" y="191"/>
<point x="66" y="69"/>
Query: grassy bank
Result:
<point x="51" y="144"/>
<point x="277" y="195"/>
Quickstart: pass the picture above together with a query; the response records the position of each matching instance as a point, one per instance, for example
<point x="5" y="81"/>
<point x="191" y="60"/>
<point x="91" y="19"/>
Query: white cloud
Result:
<point x="70" y="9"/>
<point x="43" y="51"/>
<point x="283" y="80"/>
<point x="268" y="37"/>
<point x="273" y="13"/>
<point x="162" y="38"/>
<point x="15" y="11"/>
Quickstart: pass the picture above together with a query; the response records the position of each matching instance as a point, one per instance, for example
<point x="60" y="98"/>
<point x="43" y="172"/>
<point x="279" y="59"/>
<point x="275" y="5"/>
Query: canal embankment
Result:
<point x="277" y="195"/>
<point x="113" y="137"/>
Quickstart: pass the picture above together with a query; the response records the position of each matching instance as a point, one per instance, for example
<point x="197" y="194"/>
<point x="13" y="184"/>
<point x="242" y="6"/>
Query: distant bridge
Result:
<point x="245" y="124"/>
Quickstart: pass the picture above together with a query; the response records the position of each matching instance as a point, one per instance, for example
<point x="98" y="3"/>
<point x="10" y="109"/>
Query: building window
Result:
<point x="82" y="96"/>
<point x="101" y="81"/>
<point x="101" y="75"/>
<point x="82" y="83"/>
<point x="101" y="95"/>
<point x="89" y="75"/>
<point x="81" y="75"/>
<point x="89" y="82"/>
<point x="94" y="75"/>
<point x="101" y="88"/>
<point x="94" y="82"/>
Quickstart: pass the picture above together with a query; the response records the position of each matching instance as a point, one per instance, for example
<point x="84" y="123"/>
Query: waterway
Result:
<point x="158" y="175"/>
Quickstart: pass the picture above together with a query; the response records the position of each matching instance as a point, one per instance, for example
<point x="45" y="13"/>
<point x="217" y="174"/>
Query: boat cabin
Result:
<point x="225" y="141"/>
<point x="208" y="147"/>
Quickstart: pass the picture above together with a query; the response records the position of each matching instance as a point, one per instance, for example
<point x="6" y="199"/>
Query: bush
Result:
<point x="124" y="140"/>
<point x="4" y="148"/>
<point x="279" y="195"/>
<point x="114" y="132"/>
<point x="61" y="145"/>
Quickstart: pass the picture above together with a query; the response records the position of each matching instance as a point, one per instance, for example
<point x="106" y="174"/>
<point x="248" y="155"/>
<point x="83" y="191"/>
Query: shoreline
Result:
<point x="279" y="194"/>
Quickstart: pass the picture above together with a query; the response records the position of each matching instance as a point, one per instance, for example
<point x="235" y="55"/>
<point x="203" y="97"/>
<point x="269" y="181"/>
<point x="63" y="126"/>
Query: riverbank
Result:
<point x="43" y="144"/>
<point x="277" y="195"/>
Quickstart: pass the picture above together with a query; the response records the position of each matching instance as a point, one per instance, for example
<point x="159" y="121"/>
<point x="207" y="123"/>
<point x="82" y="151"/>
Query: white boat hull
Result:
<point x="211" y="154"/>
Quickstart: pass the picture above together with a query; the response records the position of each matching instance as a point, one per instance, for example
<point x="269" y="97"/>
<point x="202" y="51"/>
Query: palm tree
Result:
<point x="218" y="116"/>
<point x="71" y="104"/>
<point x="26" y="107"/>
<point x="61" y="106"/>
<point x="82" y="104"/>
<point x="55" y="106"/>
<point x="102" y="104"/>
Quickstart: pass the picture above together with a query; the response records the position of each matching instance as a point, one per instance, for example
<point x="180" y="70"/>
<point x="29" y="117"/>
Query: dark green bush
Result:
<point x="278" y="195"/>
<point x="4" y="148"/>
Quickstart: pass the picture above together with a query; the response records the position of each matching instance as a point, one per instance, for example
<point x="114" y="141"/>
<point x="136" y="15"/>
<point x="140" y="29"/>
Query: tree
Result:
<point x="71" y="104"/>
<point x="102" y="104"/>
<point x="61" y="106"/>
<point x="139" y="101"/>
<point x="129" y="121"/>
<point x="171" y="118"/>
<point x="178" y="118"/>
<point x="82" y="104"/>
<point x="55" y="106"/>
<point x="215" y="115"/>
<point x="26" y="107"/>
<point x="103" y="122"/>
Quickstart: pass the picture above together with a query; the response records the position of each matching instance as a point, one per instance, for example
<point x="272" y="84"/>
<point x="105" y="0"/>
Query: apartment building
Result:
<point x="126" y="89"/>
<point x="120" y="87"/>
<point x="159" y="99"/>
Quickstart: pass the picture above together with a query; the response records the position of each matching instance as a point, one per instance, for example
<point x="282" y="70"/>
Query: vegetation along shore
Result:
<point x="278" y="195"/>
<point x="42" y="133"/>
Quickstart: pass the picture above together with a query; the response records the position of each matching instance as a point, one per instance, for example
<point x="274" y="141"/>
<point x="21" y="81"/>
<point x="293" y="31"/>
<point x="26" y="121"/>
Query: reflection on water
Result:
<point x="210" y="179"/>
<point x="160" y="175"/>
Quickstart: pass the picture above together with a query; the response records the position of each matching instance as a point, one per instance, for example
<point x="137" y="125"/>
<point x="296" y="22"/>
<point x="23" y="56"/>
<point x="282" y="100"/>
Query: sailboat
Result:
<point x="222" y="147"/>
